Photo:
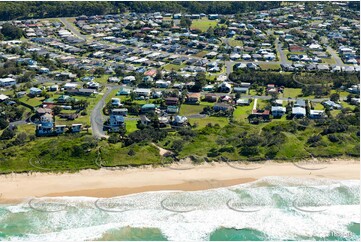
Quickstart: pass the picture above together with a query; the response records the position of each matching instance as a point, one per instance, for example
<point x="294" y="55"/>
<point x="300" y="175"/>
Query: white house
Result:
<point x="7" y="82"/>
<point x="316" y="114"/>
<point x="69" y="86"/>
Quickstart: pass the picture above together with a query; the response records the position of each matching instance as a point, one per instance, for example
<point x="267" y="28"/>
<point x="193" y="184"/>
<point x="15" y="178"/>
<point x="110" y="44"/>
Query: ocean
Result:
<point x="272" y="208"/>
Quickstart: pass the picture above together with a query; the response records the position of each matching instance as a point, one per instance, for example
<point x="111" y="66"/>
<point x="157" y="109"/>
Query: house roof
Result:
<point x="193" y="95"/>
<point x="298" y="110"/>
<point x="278" y="109"/>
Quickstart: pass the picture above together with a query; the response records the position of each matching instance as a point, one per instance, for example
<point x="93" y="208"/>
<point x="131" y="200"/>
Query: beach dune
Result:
<point x="186" y="177"/>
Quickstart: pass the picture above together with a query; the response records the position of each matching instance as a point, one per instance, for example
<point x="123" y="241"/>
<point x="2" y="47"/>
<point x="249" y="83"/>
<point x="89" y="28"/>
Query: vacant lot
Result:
<point x="270" y="66"/>
<point x="203" y="24"/>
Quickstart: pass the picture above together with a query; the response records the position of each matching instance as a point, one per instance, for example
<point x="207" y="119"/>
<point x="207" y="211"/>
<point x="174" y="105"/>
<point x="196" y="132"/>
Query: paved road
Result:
<point x="74" y="30"/>
<point x="96" y="116"/>
<point x="335" y="56"/>
<point x="16" y="123"/>
<point x="283" y="57"/>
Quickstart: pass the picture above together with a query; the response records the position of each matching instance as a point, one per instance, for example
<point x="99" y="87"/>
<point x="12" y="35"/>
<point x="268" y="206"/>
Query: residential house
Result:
<point x="35" y="91"/>
<point x="193" y="98"/>
<point x="171" y="101"/>
<point x="162" y="84"/>
<point x="60" y="128"/>
<point x="213" y="16"/>
<point x="70" y="86"/>
<point x="222" y="107"/>
<point x="355" y="89"/>
<point x="7" y="82"/>
<point x="113" y="79"/>
<point x="3" y="97"/>
<point x="148" y="108"/>
<point x="144" y="120"/>
<point x="331" y="105"/>
<point x="123" y="91"/>
<point x="115" y="102"/>
<point x="119" y="111"/>
<point x="278" y="111"/>
<point x="76" y="128"/>
<point x="240" y="90"/>
<point x="53" y="88"/>
<point x="163" y="121"/>
<point x="299" y="103"/>
<point x="172" y="109"/>
<point x="142" y="92"/>
<point x="45" y="127"/>
<point x="64" y="99"/>
<point x="243" y="102"/>
<point x="180" y="121"/>
<point x="263" y="115"/>
<point x="317" y="114"/>
<point x="298" y="112"/>
<point x="225" y="87"/>
<point x="210" y="97"/>
<point x="81" y="92"/>
<point x="128" y="79"/>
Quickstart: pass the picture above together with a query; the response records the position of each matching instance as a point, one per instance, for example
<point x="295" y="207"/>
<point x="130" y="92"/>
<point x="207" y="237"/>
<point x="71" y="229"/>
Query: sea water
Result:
<point x="272" y="208"/>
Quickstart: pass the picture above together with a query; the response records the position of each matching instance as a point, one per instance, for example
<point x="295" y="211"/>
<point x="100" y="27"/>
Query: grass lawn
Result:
<point x="7" y="92"/>
<point x="102" y="80"/>
<point x="187" y="109"/>
<point x="131" y="126"/>
<point x="36" y="101"/>
<point x="330" y="61"/>
<point x="26" y="128"/>
<point x="85" y="120"/>
<point x="241" y="112"/>
<point x="169" y="67"/>
<point x="292" y="92"/>
<point x="269" y="66"/>
<point x="233" y="42"/>
<point x="262" y="104"/>
<point x="116" y="155"/>
<point x="292" y="148"/>
<point x="347" y="105"/>
<point x="203" y="24"/>
<point x="202" y="122"/>
<point x="112" y="95"/>
<point x="317" y="106"/>
<point x="201" y="54"/>
<point x="343" y="94"/>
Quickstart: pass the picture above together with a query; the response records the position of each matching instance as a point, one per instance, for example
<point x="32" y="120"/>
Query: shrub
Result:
<point x="114" y="138"/>
<point x="131" y="152"/>
<point x="333" y="138"/>
<point x="7" y="134"/>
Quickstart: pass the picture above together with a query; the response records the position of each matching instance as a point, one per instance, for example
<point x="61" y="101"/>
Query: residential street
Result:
<point x="335" y="56"/>
<point x="96" y="117"/>
<point x="283" y="57"/>
<point x="70" y="26"/>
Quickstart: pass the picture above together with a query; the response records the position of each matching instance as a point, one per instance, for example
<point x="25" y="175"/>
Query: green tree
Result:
<point x="3" y="123"/>
<point x="178" y="145"/>
<point x="335" y="97"/>
<point x="99" y="71"/>
<point x="57" y="110"/>
<point x="185" y="23"/>
<point x="199" y="81"/>
<point x="8" y="133"/>
<point x="11" y="32"/>
<point x="20" y="138"/>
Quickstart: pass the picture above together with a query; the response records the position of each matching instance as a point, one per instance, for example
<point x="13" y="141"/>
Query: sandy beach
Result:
<point x="108" y="183"/>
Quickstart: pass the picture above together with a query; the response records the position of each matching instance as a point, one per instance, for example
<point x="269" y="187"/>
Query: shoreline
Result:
<point x="108" y="183"/>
